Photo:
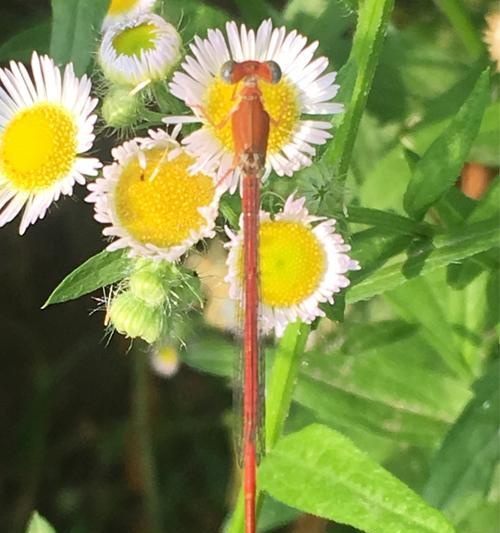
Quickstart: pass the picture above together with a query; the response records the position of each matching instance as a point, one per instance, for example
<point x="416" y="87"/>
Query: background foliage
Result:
<point x="408" y="381"/>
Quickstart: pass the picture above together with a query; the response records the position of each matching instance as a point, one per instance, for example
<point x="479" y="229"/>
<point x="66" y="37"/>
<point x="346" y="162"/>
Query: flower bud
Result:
<point x="148" y="287"/>
<point x="132" y="317"/>
<point x="121" y="108"/>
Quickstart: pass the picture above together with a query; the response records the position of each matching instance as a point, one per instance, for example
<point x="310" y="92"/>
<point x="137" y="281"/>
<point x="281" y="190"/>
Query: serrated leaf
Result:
<point x="21" y="45"/>
<point x="440" y="166"/>
<point x="75" y="27"/>
<point x="463" y="468"/>
<point x="427" y="256"/>
<point x="38" y="524"/>
<point x="99" y="271"/>
<point x="344" y="485"/>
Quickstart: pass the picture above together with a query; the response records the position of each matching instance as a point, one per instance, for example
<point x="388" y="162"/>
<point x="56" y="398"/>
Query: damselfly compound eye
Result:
<point x="226" y="71"/>
<point x="275" y="71"/>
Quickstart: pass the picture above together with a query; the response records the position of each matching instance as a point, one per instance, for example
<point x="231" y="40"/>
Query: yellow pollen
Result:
<point x="119" y="7"/>
<point x="292" y="263"/>
<point x="163" y="210"/>
<point x="132" y="41"/>
<point x="280" y="101"/>
<point x="38" y="147"/>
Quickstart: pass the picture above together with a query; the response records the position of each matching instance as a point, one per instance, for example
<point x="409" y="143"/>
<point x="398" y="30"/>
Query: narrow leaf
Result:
<point x="99" y="271"/>
<point x="429" y="255"/>
<point x="440" y="166"/>
<point x="75" y="27"/>
<point x="463" y="468"/>
<point x="373" y="18"/>
<point x="344" y="485"/>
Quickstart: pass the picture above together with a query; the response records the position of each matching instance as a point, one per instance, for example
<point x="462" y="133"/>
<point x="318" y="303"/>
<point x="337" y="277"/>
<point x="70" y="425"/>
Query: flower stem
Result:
<point x="142" y="428"/>
<point x="279" y="397"/>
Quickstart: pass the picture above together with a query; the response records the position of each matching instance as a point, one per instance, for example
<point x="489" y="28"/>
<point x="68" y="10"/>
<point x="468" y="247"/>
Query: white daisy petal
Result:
<point x="301" y="265"/>
<point x="42" y="138"/>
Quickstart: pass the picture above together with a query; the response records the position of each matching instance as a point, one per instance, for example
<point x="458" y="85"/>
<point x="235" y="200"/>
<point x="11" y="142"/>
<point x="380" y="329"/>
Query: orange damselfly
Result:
<point x="250" y="129"/>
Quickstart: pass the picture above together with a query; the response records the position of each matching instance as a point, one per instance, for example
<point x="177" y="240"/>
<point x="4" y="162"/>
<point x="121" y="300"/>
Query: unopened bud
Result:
<point x="132" y="317"/>
<point x="121" y="108"/>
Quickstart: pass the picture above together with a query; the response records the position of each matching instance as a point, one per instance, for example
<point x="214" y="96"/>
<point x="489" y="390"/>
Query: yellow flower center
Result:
<point x="134" y="41"/>
<point x="159" y="204"/>
<point x="280" y="101"/>
<point x="38" y="147"/>
<point x="118" y="7"/>
<point x="292" y="263"/>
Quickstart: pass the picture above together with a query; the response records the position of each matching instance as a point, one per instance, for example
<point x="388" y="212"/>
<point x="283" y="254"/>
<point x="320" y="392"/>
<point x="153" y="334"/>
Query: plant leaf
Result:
<point x="374" y="391"/>
<point x="75" y="27"/>
<point x="21" y="45"/>
<point x="373" y="18"/>
<point x="344" y="484"/>
<point x="38" y="524"/>
<point x="463" y="468"/>
<point x="440" y="166"/>
<point x="425" y="257"/>
<point x="99" y="271"/>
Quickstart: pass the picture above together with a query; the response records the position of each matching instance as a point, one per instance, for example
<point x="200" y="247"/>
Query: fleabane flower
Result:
<point x="304" y="89"/>
<point x="303" y="263"/>
<point x="120" y="9"/>
<point x="139" y="50"/>
<point x="150" y="201"/>
<point x="46" y="123"/>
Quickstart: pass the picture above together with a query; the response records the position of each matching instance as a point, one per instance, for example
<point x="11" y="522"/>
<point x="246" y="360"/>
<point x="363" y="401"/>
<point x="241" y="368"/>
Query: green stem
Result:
<point x="279" y="397"/>
<point x="356" y="80"/>
<point x="142" y="427"/>
<point x="462" y="24"/>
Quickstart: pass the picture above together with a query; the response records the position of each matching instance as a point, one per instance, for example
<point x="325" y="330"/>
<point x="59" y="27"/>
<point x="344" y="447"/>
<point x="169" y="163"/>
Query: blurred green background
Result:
<point x="68" y="443"/>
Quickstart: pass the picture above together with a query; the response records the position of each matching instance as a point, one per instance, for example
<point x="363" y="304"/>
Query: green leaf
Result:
<point x="416" y="302"/>
<point x="21" y="45"/>
<point x="38" y="524"/>
<point x="440" y="166"/>
<point x="462" y="470"/>
<point x="99" y="271"/>
<point x="211" y="353"/>
<point x="319" y="471"/>
<point x="427" y="256"/>
<point x="75" y="28"/>
<point x="485" y="148"/>
<point x="373" y="18"/>
<point x="380" y="390"/>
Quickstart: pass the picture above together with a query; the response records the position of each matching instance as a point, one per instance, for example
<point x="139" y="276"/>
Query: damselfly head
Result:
<point x="233" y="72"/>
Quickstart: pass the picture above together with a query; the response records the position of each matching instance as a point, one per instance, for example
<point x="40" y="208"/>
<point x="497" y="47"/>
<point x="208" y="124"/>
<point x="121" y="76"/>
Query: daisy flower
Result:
<point x="303" y="263"/>
<point x="304" y="89"/>
<point x="165" y="360"/>
<point x="149" y="200"/>
<point x="139" y="50"/>
<point x="46" y="122"/>
<point x="120" y="9"/>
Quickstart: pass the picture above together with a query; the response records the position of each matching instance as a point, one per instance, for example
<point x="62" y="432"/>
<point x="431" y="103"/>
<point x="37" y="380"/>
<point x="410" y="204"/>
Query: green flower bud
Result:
<point x="132" y="317"/>
<point x="120" y="108"/>
<point x="148" y="287"/>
